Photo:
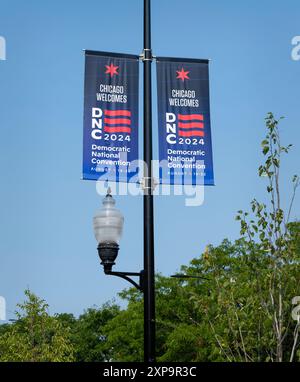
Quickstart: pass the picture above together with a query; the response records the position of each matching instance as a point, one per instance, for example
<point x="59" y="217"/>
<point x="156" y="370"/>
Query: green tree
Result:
<point x="89" y="333"/>
<point x="234" y="301"/>
<point x="125" y="330"/>
<point x="269" y="227"/>
<point x="174" y="313"/>
<point x="35" y="336"/>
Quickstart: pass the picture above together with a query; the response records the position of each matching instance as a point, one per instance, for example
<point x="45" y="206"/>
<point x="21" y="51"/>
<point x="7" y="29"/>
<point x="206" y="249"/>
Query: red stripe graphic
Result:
<point x="199" y="117"/>
<point x="116" y="113"/>
<point x="191" y="133"/>
<point x="116" y="121"/>
<point x="200" y="125"/>
<point x="118" y="129"/>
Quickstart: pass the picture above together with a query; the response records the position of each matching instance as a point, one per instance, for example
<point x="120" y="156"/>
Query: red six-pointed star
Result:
<point x="182" y="75"/>
<point x="111" y="69"/>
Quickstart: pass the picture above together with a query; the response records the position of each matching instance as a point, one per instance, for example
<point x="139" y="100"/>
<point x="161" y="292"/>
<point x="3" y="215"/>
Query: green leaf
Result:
<point x="266" y="150"/>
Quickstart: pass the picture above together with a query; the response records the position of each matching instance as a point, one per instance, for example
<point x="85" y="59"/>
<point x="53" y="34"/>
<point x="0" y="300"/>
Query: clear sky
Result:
<point x="47" y="241"/>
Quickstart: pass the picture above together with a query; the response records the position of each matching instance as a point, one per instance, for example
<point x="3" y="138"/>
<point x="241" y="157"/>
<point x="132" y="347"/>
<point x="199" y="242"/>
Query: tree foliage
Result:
<point x="35" y="336"/>
<point x="89" y="332"/>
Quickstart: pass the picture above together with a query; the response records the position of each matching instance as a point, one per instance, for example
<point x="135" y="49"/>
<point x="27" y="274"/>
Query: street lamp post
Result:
<point x="149" y="281"/>
<point x="108" y="223"/>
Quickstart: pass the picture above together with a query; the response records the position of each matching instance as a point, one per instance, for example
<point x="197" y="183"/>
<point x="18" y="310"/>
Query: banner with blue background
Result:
<point x="185" y="147"/>
<point x="110" y="135"/>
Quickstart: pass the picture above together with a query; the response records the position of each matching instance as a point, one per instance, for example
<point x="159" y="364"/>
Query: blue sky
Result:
<point x="47" y="241"/>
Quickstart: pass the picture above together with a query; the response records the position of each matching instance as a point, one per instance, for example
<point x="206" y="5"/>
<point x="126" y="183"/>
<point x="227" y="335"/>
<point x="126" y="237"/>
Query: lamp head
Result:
<point x="108" y="228"/>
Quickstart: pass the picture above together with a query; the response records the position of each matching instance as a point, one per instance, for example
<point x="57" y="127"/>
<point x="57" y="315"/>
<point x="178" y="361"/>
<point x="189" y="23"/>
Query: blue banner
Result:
<point x="185" y="148"/>
<point x="110" y="136"/>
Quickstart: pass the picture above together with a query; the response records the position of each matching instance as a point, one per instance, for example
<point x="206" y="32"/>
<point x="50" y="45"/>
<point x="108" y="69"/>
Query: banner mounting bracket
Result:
<point x="147" y="55"/>
<point x="148" y="183"/>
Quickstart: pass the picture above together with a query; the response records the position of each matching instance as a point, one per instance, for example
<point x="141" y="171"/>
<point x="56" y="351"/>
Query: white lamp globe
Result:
<point x="108" y="222"/>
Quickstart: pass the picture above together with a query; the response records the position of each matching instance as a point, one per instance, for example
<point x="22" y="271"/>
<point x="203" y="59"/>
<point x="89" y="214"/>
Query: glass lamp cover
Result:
<point x="108" y="222"/>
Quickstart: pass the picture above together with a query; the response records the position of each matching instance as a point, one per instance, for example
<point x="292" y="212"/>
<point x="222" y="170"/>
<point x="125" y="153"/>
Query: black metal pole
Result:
<point x="149" y="282"/>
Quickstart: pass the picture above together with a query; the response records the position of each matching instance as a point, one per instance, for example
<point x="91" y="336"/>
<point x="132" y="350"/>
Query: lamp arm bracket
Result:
<point x="125" y="276"/>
